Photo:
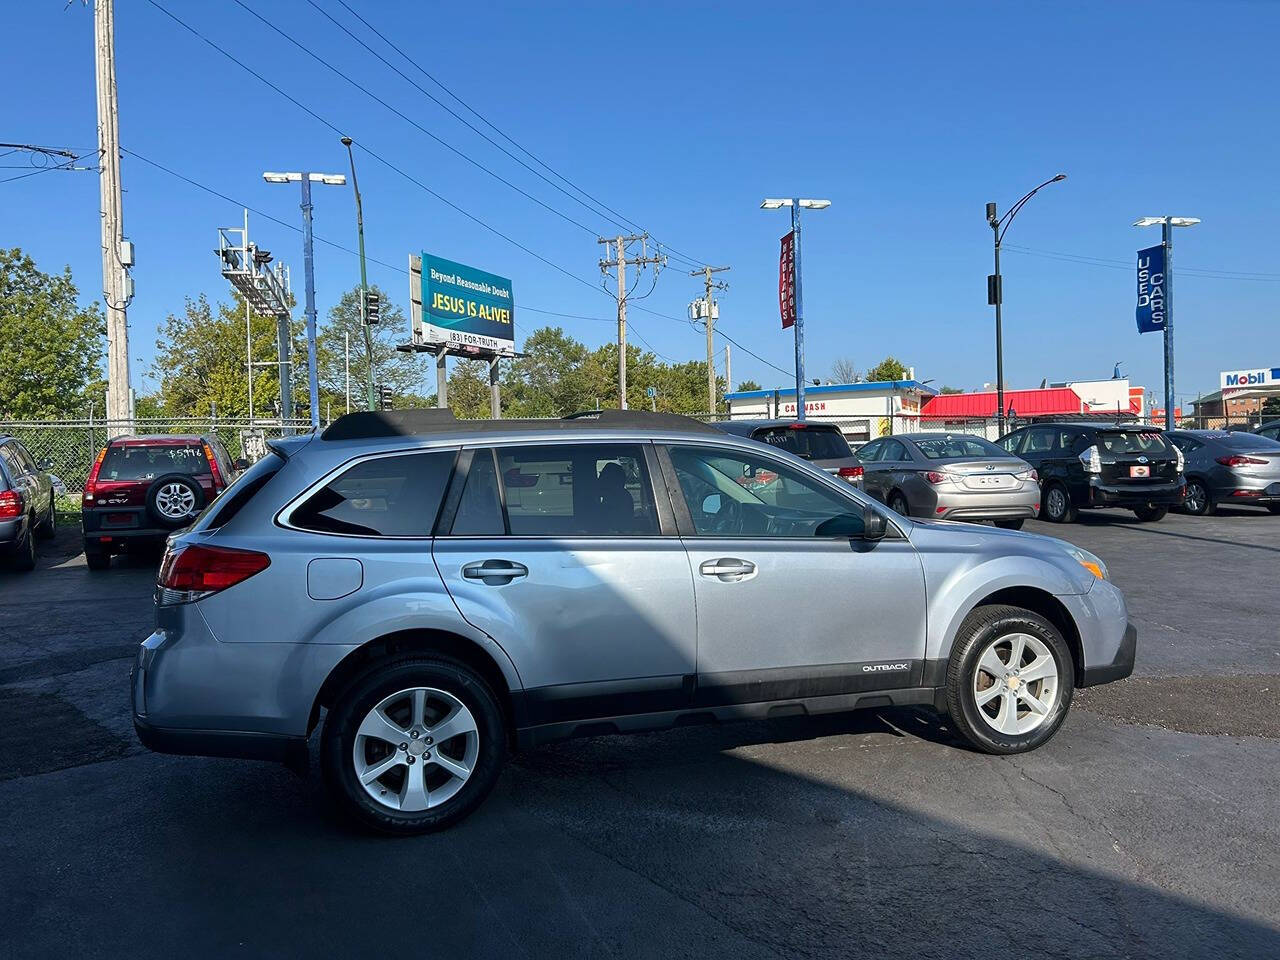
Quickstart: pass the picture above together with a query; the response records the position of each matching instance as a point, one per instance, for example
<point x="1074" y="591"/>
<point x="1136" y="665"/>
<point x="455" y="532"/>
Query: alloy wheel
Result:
<point x="1055" y="503"/>
<point x="1015" y="685"/>
<point x="416" y="749"/>
<point x="175" y="500"/>
<point x="1197" y="498"/>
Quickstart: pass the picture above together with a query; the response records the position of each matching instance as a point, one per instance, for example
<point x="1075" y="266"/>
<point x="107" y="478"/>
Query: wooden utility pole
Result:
<point x="621" y="260"/>
<point x="115" y="280"/>
<point x="708" y="315"/>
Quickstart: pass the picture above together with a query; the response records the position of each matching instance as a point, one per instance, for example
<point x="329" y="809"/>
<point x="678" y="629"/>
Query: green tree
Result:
<point x="51" y="348"/>
<point x="402" y="372"/>
<point x="548" y="381"/>
<point x="1271" y="406"/>
<point x="745" y="385"/>
<point x="200" y="362"/>
<point x="469" y="390"/>
<point x="947" y="390"/>
<point x="887" y="369"/>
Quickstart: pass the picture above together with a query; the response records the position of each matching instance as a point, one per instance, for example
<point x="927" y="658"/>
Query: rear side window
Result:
<point x="232" y="500"/>
<point x="396" y="496"/>
<point x="571" y="490"/>
<point x="1041" y="440"/>
<point x="140" y="462"/>
<point x="1013" y="442"/>
<point x="812" y="443"/>
<point x="1133" y="441"/>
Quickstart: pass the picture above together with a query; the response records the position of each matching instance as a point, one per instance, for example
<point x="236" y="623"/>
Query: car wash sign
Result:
<point x="1151" y="289"/>
<point x="465" y="307"/>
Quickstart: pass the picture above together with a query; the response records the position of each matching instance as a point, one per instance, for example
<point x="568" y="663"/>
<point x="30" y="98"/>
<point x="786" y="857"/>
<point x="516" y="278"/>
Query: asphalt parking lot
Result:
<point x="1149" y="827"/>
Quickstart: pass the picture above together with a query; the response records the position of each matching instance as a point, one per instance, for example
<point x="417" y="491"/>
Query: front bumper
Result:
<point x="1117" y="669"/>
<point x="1136" y="495"/>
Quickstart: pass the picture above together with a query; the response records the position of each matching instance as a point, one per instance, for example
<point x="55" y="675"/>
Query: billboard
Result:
<point x="460" y="306"/>
<point x="1151" y="273"/>
<point x="1244" y="379"/>
<point x="787" y="280"/>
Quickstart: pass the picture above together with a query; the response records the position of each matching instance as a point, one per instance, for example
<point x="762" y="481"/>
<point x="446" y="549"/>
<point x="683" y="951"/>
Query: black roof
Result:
<point x="367" y="425"/>
<point x="1096" y="425"/>
<point x="745" y="428"/>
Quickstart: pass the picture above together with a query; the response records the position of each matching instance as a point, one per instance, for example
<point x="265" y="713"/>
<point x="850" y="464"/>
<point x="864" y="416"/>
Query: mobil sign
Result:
<point x="1244" y="379"/>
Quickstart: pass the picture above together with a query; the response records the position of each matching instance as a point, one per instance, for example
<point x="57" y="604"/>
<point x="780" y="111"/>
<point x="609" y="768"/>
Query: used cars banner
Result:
<point x="1151" y="285"/>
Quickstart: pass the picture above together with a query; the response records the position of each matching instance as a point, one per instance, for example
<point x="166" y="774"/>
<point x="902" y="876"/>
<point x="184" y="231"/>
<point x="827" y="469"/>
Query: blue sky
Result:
<point x="682" y="116"/>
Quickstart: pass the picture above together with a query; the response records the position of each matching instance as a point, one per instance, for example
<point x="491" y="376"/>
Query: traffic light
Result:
<point x="372" y="306"/>
<point x="384" y="398"/>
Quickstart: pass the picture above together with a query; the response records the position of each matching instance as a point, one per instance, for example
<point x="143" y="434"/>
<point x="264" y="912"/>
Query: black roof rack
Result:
<point x="368" y="425"/>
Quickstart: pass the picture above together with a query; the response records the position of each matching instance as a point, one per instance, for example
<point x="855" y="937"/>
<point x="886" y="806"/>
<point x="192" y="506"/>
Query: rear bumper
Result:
<point x="101" y="535"/>
<point x="1247" y="490"/>
<point x="1135" y="495"/>
<point x="10" y="536"/>
<point x="1006" y="505"/>
<point x="1118" y="668"/>
<point x="291" y="751"/>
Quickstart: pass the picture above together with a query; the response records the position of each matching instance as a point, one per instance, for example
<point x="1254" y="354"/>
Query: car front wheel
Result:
<point x="1009" y="679"/>
<point x="1150" y="514"/>
<point x="413" y="746"/>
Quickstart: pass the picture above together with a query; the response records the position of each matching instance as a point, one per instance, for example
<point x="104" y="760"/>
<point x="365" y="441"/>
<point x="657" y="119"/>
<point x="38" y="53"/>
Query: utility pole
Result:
<point x="728" y="370"/>
<point x="346" y="366"/>
<point x="116" y="283"/>
<point x="621" y="260"/>
<point x="708" y="315"/>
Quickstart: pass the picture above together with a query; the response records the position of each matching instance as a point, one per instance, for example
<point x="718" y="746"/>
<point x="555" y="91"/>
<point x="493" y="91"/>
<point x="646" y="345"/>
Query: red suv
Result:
<point x="141" y="489"/>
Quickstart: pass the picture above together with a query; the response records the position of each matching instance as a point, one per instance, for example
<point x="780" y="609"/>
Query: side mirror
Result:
<point x="46" y="465"/>
<point x="874" y="524"/>
<point x="711" y="504"/>
<point x="240" y="463"/>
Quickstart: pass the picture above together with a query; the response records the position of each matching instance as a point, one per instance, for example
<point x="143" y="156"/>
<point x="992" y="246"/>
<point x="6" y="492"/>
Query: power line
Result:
<point x="414" y="63"/>
<point x="1206" y="272"/>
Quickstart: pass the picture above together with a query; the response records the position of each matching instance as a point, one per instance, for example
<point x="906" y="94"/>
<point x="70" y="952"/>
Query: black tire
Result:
<point x="359" y="698"/>
<point x="1150" y="514"/>
<point x="48" y="526"/>
<point x="1273" y="507"/>
<point x="1010" y="524"/>
<point x="1057" y="506"/>
<point x="96" y="559"/>
<point x="898" y="504"/>
<point x="1198" y="501"/>
<point x="164" y="484"/>
<point x="979" y="629"/>
<point x="25" y="557"/>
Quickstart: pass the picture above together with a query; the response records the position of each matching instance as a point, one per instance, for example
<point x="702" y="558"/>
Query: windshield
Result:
<point x="947" y="448"/>
<point x="146" y="463"/>
<point x="1134" y="441"/>
<point x="812" y="443"/>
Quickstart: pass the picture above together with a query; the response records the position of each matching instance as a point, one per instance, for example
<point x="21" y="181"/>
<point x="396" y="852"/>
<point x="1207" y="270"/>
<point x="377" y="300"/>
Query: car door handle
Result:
<point x="728" y="569"/>
<point x="494" y="573"/>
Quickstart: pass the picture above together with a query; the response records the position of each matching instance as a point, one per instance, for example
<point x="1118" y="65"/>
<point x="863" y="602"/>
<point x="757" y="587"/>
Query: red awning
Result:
<point x="1050" y="402"/>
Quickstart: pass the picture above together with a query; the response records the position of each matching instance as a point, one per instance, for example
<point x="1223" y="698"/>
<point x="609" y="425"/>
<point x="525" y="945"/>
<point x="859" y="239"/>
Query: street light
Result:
<point x="995" y="291"/>
<point x="364" y="282"/>
<point x="1166" y="238"/>
<point x="771" y="203"/>
<point x="308" y="263"/>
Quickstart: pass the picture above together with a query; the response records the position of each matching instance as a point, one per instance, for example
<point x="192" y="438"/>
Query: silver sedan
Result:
<point x="950" y="476"/>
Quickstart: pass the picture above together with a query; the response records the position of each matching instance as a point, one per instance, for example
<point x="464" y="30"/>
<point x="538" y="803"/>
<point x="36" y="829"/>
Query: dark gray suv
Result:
<point x="433" y="592"/>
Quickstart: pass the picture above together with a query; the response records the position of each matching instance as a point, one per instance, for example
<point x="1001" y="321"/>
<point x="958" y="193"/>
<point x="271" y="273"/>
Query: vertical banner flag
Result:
<point x="1151" y="275"/>
<point x="787" y="280"/>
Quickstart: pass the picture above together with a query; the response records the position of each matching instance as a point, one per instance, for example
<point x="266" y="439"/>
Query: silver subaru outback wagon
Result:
<point x="438" y="592"/>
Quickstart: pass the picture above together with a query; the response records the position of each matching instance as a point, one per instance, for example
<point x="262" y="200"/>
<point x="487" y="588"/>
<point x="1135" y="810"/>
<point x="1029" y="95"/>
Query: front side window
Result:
<point x="1013" y="442"/>
<point x="894" y="451"/>
<point x="735" y="494"/>
<point x="871" y="452"/>
<point x="396" y="496"/>
<point x="577" y="490"/>
<point x="1041" y="440"/>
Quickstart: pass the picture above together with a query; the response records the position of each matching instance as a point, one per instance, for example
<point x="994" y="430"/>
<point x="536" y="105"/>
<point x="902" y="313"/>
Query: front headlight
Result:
<point x="1089" y="561"/>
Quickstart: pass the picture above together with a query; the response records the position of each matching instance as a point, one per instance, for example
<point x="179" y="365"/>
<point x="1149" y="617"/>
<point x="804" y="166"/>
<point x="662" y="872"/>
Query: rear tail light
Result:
<point x="850" y="473"/>
<point x="1182" y="461"/>
<point x="213" y="466"/>
<point x="935" y="477"/>
<point x="798" y="425"/>
<point x="1247" y="493"/>
<point x="1027" y="475"/>
<point x="1091" y="460"/>
<point x="1236" y="460"/>
<point x="90" y="484"/>
<point x="10" y="505"/>
<point x="197" y="571"/>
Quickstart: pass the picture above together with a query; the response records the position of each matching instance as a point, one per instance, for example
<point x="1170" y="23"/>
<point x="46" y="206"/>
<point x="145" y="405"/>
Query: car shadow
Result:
<point x="1162" y="529"/>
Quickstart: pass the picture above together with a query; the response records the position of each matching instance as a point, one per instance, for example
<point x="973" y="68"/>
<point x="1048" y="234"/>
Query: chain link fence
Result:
<point x="71" y="446"/>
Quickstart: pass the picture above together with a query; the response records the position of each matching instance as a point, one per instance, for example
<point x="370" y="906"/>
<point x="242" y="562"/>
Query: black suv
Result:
<point x="1101" y="465"/>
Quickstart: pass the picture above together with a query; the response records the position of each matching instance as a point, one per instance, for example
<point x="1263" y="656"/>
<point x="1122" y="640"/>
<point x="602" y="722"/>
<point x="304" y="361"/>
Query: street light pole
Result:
<point x="308" y="263"/>
<point x="995" y="285"/>
<point x="364" y="280"/>
<point x="1166" y="240"/>
<point x="795" y="203"/>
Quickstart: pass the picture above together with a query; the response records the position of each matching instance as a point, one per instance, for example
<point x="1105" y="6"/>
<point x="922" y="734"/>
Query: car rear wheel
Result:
<point x="96" y="559"/>
<point x="25" y="558"/>
<point x="1010" y="524"/>
<point x="1057" y="506"/>
<point x="1150" y="514"/>
<point x="174" y="499"/>
<point x="1009" y="679"/>
<point x="898" y="504"/>
<point x="413" y="746"/>
<point x="1198" y="502"/>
